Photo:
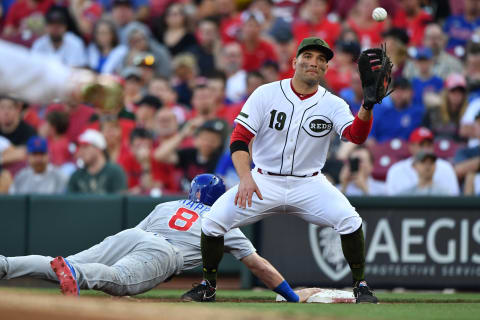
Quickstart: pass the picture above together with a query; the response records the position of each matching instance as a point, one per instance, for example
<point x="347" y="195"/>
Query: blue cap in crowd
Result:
<point x="424" y="53"/>
<point x="37" y="145"/>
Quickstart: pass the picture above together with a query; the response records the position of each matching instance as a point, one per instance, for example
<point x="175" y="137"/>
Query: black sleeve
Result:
<point x="238" y="145"/>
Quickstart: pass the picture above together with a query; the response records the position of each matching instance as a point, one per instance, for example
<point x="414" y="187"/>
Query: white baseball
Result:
<point x="379" y="14"/>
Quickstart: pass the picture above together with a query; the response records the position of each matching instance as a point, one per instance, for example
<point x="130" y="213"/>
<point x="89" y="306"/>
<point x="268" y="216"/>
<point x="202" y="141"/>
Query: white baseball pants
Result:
<point x="313" y="199"/>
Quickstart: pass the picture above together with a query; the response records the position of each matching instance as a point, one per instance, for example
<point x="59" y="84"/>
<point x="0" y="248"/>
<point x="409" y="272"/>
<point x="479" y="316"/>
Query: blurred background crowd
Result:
<point x="186" y="68"/>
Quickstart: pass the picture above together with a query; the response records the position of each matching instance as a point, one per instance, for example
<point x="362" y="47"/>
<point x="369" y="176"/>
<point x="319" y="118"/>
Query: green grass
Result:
<point x="421" y="306"/>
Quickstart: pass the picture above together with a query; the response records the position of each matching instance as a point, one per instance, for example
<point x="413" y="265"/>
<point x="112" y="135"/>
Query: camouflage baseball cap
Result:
<point x="315" y="43"/>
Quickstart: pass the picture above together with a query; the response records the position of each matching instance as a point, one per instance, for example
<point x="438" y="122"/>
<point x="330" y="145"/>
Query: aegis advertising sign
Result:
<point x="410" y="249"/>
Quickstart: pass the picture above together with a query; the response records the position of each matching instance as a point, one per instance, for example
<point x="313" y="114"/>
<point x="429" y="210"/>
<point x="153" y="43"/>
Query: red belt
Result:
<point x="286" y="175"/>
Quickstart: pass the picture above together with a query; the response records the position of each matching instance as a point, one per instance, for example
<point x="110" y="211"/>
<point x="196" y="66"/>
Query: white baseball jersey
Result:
<point x="292" y="135"/>
<point x="168" y="218"/>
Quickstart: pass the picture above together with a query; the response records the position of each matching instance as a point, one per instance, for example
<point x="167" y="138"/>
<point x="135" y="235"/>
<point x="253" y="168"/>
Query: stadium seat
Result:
<point x="386" y="154"/>
<point x="446" y="148"/>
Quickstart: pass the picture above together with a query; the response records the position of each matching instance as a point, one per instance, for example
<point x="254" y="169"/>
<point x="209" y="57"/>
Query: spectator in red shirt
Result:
<point x="58" y="143"/>
<point x="255" y="49"/>
<point x="339" y="75"/>
<point x="368" y="30"/>
<point x="286" y="49"/>
<point x="79" y="116"/>
<point x="216" y="83"/>
<point x="413" y="18"/>
<point x="161" y="88"/>
<point x="314" y="23"/>
<point x="86" y="13"/>
<point x="229" y="112"/>
<point x="230" y="21"/>
<point x="204" y="103"/>
<point x="24" y="13"/>
<point x="112" y="132"/>
<point x="137" y="162"/>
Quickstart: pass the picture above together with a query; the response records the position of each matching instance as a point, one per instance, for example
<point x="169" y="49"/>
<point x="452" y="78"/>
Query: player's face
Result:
<point x="310" y="66"/>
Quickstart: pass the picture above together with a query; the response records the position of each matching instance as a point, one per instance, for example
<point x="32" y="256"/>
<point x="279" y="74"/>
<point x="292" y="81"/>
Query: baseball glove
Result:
<point x="375" y="69"/>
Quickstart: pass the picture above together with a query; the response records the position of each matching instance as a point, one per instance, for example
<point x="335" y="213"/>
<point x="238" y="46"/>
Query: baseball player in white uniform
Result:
<point x="136" y="260"/>
<point x="292" y="121"/>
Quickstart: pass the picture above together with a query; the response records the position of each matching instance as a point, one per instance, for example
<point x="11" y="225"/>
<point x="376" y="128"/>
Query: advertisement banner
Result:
<point x="410" y="248"/>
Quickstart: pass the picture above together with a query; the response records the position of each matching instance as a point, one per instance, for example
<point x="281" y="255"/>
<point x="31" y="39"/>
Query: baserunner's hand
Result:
<point x="304" y="294"/>
<point x="246" y="188"/>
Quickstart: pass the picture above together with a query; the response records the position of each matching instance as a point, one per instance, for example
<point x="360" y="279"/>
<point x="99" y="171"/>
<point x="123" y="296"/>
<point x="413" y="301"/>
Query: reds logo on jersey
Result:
<point x="317" y="126"/>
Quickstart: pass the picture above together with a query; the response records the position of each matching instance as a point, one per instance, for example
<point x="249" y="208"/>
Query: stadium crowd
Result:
<point x="186" y="68"/>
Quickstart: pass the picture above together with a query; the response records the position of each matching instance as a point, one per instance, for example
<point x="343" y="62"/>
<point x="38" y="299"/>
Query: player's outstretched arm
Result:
<point x="270" y="276"/>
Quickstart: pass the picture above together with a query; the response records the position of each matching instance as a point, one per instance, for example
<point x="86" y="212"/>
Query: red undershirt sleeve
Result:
<point x="358" y="131"/>
<point x="241" y="134"/>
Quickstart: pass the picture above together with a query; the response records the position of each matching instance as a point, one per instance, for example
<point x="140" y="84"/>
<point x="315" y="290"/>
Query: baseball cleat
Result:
<point x="66" y="275"/>
<point x="202" y="292"/>
<point x="363" y="293"/>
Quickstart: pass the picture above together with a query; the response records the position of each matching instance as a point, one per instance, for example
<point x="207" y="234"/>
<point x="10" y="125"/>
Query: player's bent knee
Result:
<point x="212" y="229"/>
<point x="349" y="225"/>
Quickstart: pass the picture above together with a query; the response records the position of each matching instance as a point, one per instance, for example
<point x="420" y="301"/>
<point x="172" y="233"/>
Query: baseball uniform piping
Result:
<point x="288" y="129"/>
<point x="343" y="127"/>
<point x="298" y="133"/>
<point x="246" y="124"/>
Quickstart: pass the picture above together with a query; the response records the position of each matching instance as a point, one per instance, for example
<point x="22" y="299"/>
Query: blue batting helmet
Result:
<point x="206" y="188"/>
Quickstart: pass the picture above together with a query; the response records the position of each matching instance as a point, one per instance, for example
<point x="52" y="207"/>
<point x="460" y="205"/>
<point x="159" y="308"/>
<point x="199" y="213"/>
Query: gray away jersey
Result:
<point x="180" y="223"/>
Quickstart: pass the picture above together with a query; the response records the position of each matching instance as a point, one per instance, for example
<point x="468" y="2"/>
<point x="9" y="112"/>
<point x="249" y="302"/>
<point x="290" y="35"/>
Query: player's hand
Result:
<point x="306" y="293"/>
<point x="246" y="188"/>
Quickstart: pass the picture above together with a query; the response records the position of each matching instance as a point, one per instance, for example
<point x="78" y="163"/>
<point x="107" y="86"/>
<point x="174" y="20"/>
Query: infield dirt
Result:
<point x="19" y="305"/>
